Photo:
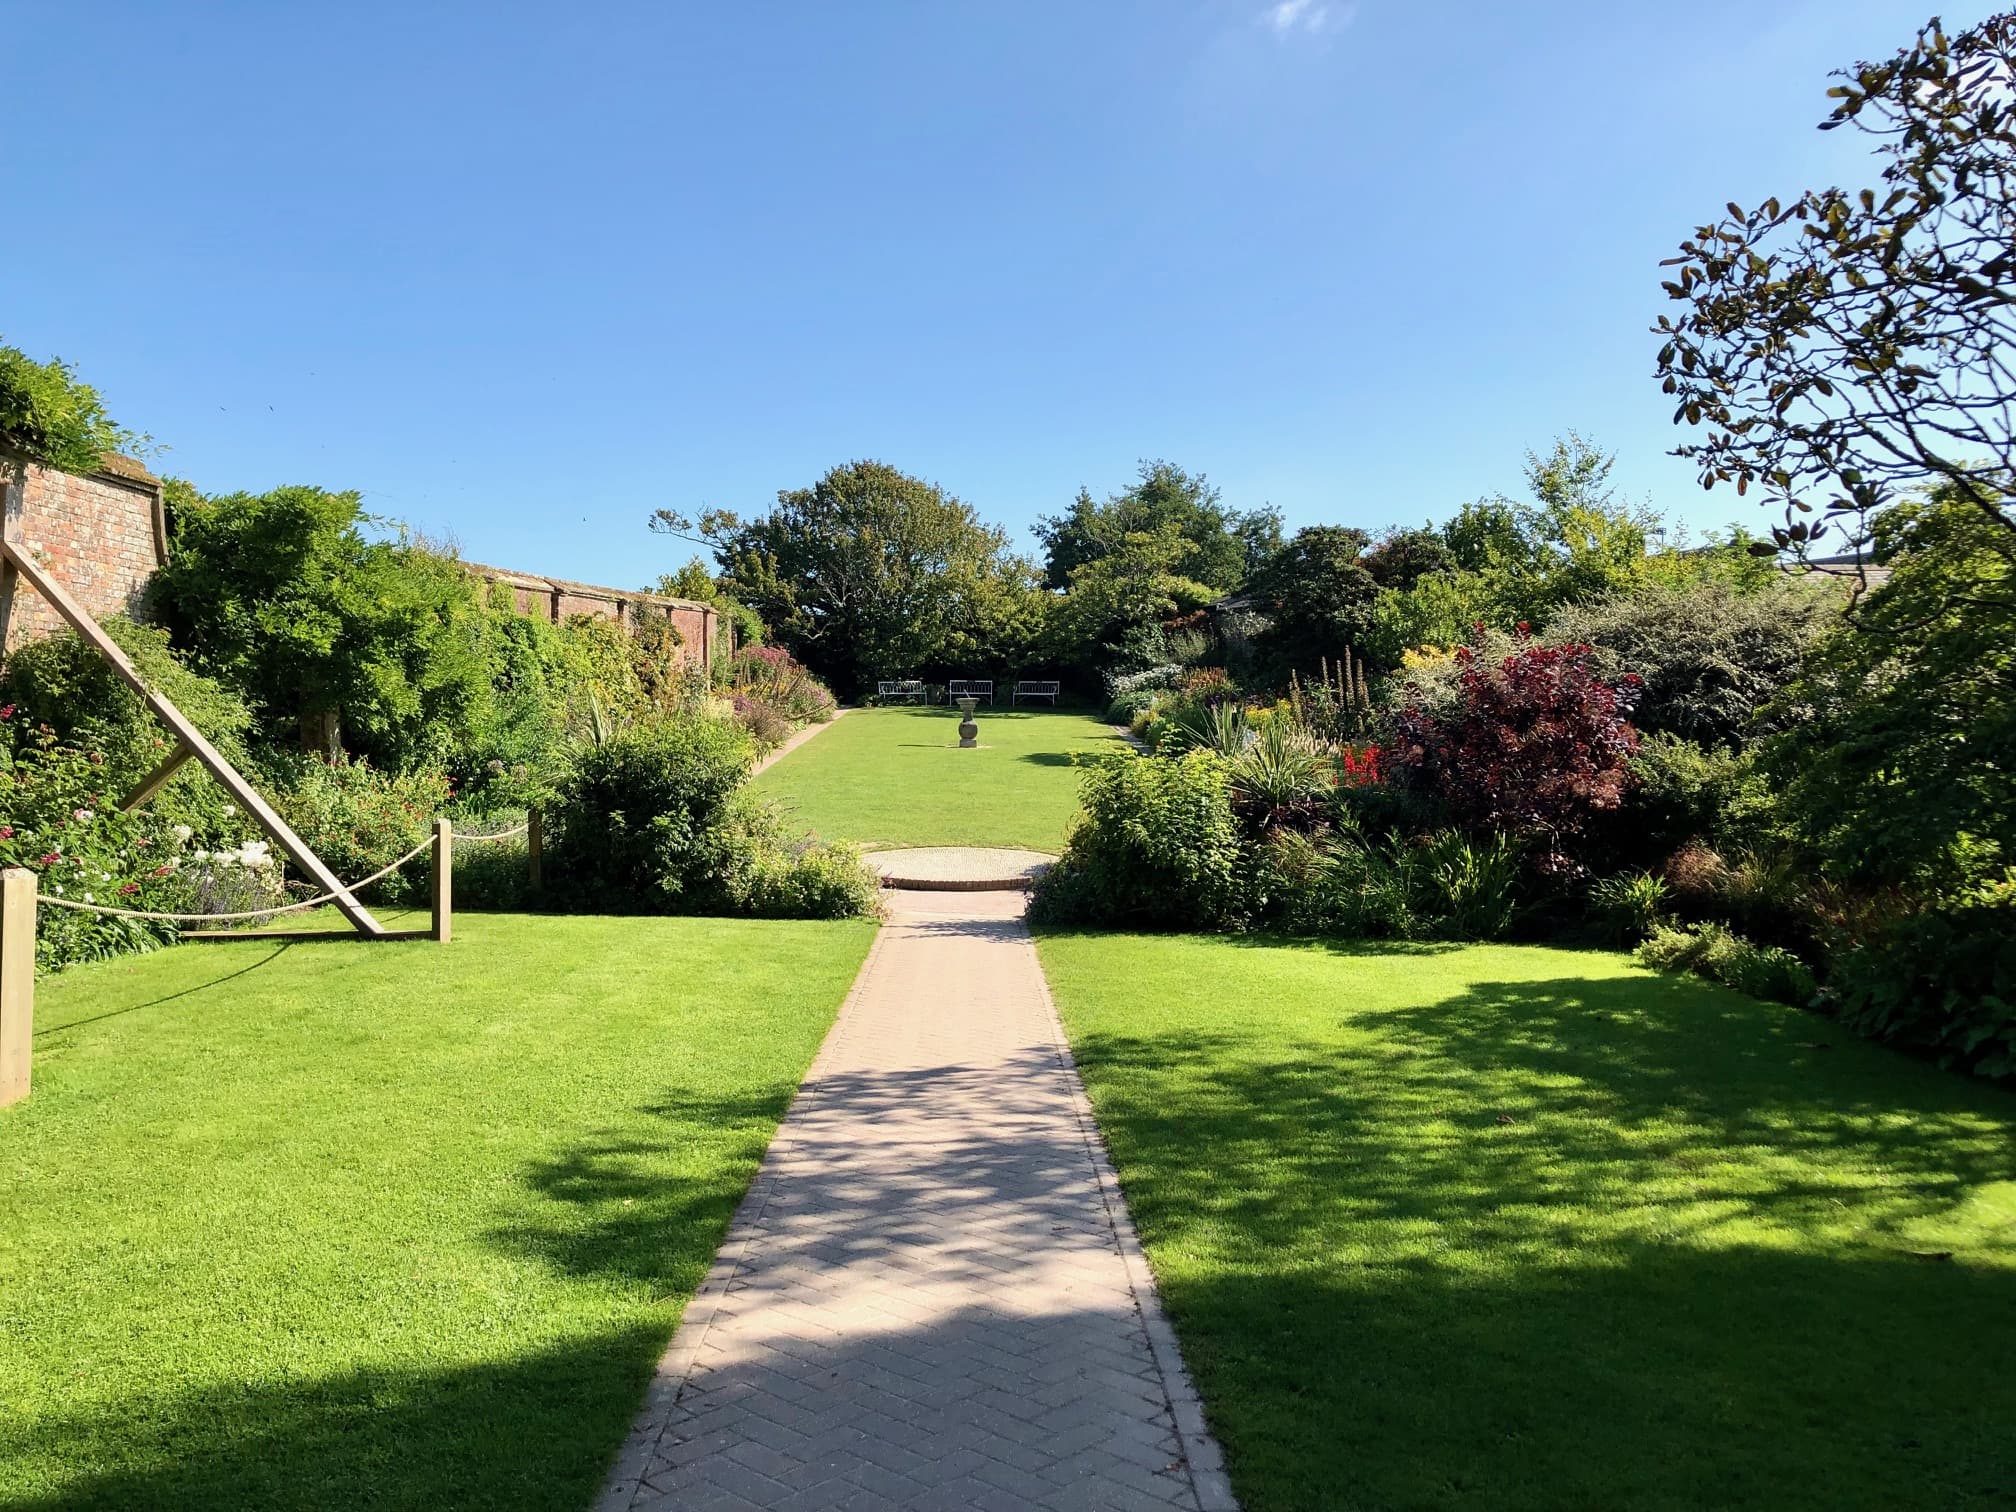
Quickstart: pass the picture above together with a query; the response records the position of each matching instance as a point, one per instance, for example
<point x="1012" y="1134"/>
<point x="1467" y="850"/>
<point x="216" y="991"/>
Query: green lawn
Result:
<point x="896" y="776"/>
<point x="1505" y="1227"/>
<point x="381" y="1225"/>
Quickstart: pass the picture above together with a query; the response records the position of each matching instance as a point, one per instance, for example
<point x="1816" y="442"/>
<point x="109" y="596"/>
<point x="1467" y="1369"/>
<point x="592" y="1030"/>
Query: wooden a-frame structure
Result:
<point x="16" y="563"/>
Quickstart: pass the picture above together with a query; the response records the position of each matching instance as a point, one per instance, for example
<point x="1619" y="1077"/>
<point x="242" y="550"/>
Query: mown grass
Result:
<point x="381" y="1225"/>
<point x="1504" y="1227"/>
<point x="885" y="777"/>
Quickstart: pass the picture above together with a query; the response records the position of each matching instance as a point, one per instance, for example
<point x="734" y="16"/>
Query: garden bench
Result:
<point x="1035" y="688"/>
<point x="971" y="687"/>
<point x="900" y="688"/>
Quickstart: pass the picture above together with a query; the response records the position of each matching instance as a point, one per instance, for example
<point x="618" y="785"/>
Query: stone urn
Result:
<point x="969" y="732"/>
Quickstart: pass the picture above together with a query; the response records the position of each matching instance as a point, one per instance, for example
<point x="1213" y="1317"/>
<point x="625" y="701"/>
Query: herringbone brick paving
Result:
<point x="931" y="1297"/>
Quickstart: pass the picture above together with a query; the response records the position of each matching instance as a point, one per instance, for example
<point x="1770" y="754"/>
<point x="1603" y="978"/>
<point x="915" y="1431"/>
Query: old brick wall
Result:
<point x="557" y="599"/>
<point x="103" y="537"/>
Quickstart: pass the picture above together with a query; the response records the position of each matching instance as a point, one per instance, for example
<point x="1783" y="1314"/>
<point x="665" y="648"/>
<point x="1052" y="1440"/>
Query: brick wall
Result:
<point x="557" y="599"/>
<point x="102" y="537"/>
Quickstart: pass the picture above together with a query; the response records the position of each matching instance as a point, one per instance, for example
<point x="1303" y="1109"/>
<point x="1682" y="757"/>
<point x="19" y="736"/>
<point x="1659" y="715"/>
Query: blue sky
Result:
<point x="523" y="274"/>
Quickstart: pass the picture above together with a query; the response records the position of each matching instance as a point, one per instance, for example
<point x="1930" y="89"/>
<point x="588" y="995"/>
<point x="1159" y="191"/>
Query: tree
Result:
<point x="1317" y="595"/>
<point x="1113" y="614"/>
<point x="866" y="574"/>
<point x="283" y="596"/>
<point x="49" y="417"/>
<point x="1222" y="545"/>
<point x="1900" y="770"/>
<point x="1843" y="346"/>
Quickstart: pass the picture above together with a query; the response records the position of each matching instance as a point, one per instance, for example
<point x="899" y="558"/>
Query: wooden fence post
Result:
<point x="535" y="845"/>
<point x="17" y="981"/>
<point x="444" y="881"/>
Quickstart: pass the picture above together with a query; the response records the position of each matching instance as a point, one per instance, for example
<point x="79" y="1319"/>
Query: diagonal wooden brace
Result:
<point x="157" y="779"/>
<point x="188" y="735"/>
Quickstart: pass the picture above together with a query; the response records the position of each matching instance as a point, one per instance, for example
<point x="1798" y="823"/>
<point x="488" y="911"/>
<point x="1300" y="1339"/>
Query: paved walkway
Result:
<point x="932" y="1297"/>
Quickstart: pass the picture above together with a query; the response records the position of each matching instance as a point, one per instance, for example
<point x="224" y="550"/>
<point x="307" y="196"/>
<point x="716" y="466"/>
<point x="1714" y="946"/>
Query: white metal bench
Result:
<point x="971" y="687"/>
<point x="908" y="687"/>
<point x="1035" y="688"/>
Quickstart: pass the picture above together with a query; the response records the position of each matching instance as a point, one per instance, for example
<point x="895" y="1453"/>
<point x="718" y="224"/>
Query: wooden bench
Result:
<point x="971" y="687"/>
<point x="1035" y="688"/>
<point x="892" y="690"/>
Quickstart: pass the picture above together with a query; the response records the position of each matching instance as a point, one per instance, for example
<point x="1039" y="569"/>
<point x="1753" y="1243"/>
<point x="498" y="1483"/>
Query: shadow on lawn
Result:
<point x="527" y="1434"/>
<point x="1579" y="1243"/>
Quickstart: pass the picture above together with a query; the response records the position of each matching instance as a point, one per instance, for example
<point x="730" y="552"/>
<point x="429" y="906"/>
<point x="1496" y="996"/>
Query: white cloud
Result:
<point x="1312" y="17"/>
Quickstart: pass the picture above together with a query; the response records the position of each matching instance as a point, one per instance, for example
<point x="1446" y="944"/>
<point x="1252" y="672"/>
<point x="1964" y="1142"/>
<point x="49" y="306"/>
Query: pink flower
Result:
<point x="6" y="832"/>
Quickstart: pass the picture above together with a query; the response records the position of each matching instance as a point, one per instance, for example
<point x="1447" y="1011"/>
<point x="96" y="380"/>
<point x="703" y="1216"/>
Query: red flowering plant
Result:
<point x="1534" y="746"/>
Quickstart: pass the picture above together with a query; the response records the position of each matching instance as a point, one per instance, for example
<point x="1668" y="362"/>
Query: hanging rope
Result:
<point x="500" y="835"/>
<point x="257" y="913"/>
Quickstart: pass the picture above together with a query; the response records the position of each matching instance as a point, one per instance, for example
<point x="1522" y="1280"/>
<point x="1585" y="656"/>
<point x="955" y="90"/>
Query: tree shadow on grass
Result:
<point x="1579" y="1242"/>
<point x="530" y="1433"/>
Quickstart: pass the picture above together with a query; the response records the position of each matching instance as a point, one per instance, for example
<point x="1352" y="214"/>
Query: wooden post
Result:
<point x="535" y="847"/>
<point x="17" y="981"/>
<point x="444" y="881"/>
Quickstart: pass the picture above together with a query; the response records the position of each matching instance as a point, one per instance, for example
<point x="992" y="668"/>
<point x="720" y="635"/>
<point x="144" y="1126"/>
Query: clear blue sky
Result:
<point x="524" y="273"/>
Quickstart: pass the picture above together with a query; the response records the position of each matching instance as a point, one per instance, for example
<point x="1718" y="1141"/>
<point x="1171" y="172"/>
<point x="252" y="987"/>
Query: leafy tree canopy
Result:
<point x="1842" y="346"/>
<point x="1903" y="764"/>
<point x="284" y="596"/>
<point x="49" y="417"/>
<point x="868" y="573"/>
<point x="1222" y="546"/>
<point x="1317" y="592"/>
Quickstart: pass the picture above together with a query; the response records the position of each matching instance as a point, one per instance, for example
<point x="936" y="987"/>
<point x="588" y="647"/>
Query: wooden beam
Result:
<point x="8" y="579"/>
<point x="157" y="779"/>
<point x="17" y="982"/>
<point x="226" y="774"/>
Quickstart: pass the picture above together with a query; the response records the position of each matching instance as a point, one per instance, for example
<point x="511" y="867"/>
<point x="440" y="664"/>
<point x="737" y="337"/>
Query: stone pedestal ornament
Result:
<point x="969" y="732"/>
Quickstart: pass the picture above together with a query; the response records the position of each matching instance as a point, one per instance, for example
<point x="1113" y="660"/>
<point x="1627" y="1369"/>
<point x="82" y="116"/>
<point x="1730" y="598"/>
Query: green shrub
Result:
<point x="63" y="683"/>
<point x="1629" y="905"/>
<point x="1125" y="706"/>
<point x="1157" y="845"/>
<point x="1713" y="951"/>
<point x="358" y="818"/>
<point x="1335" y="884"/>
<point x="643" y="819"/>
<point x="1942" y="980"/>
<point x="1464" y="887"/>
<point x="807" y="882"/>
<point x="1686" y="792"/>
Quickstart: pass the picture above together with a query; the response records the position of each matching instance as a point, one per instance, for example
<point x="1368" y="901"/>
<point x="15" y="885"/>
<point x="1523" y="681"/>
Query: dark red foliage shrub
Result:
<point x="1533" y="746"/>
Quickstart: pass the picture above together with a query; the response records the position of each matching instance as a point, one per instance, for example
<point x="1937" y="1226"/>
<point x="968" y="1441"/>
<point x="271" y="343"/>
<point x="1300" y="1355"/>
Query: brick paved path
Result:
<point x="932" y="1297"/>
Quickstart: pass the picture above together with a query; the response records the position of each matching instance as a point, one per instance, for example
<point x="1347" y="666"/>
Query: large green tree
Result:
<point x="869" y="573"/>
<point x="1836" y="349"/>
<point x="1317" y="594"/>
<point x="377" y="641"/>
<point x="1220" y="546"/>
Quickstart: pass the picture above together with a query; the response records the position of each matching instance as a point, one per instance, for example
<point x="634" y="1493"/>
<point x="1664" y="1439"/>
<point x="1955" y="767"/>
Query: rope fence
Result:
<point x="231" y="918"/>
